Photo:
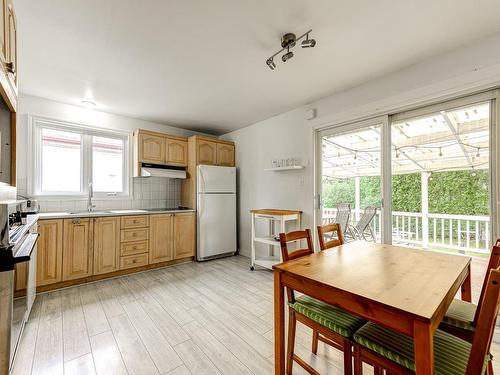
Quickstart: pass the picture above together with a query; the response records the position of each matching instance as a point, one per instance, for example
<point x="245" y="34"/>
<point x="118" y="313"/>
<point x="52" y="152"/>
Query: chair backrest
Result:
<point x="493" y="263"/>
<point x="327" y="230"/>
<point x="298" y="235"/>
<point x="366" y="218"/>
<point x="485" y="324"/>
<point x="343" y="214"/>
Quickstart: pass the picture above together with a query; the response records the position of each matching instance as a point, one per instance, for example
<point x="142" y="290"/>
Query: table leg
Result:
<point x="424" y="348"/>
<point x="466" y="289"/>
<point x="279" y="325"/>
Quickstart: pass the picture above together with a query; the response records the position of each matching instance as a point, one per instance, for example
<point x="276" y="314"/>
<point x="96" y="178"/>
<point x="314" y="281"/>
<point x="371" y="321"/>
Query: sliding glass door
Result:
<point x="441" y="179"/>
<point x="423" y="178"/>
<point x="351" y="185"/>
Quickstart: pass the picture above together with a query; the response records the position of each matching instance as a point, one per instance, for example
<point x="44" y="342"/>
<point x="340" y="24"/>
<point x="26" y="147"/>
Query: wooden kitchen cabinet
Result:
<point x="206" y="152"/>
<point x="225" y="155"/>
<point x="160" y="238"/>
<point x="78" y="249"/>
<point x="152" y="148"/>
<point x="3" y="31"/>
<point x="184" y="235"/>
<point x="106" y="245"/>
<point x="11" y="62"/>
<point x="177" y="152"/>
<point x="50" y="252"/>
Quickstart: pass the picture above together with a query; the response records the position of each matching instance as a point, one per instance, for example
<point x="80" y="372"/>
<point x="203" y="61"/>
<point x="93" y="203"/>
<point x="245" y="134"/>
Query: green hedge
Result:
<point x="455" y="192"/>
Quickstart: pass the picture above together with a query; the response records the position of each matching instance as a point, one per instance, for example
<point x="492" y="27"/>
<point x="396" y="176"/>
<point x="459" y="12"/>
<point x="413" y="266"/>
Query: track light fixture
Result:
<point x="288" y="41"/>
<point x="270" y="63"/>
<point x="308" y="43"/>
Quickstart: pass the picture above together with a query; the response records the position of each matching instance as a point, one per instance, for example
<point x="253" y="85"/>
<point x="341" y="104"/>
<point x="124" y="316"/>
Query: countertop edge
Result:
<point x="62" y="215"/>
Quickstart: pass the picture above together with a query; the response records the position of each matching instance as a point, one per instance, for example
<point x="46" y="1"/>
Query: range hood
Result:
<point x="168" y="171"/>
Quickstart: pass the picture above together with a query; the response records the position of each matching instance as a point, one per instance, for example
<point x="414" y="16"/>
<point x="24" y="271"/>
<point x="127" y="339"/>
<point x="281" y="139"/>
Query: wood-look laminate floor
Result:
<point x="196" y="318"/>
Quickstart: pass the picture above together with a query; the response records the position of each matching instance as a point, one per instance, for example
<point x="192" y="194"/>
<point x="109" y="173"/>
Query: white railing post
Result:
<point x="424" y="176"/>
<point x="357" y="197"/>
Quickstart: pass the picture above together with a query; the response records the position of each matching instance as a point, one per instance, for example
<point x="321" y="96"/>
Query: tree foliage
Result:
<point x="454" y="192"/>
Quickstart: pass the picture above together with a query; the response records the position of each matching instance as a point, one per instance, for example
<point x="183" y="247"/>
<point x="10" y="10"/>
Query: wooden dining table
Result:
<point x="407" y="290"/>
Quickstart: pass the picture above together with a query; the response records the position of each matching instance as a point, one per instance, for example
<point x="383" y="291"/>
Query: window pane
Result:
<point x="107" y="164"/>
<point x="61" y="161"/>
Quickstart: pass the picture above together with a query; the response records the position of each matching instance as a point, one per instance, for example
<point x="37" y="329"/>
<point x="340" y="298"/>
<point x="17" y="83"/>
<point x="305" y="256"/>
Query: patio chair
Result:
<point x="342" y="217"/>
<point x="364" y="224"/>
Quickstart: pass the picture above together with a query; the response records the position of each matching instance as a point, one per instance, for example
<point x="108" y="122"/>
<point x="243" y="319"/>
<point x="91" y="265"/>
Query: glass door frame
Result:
<point x="385" y="121"/>
<point x="385" y="157"/>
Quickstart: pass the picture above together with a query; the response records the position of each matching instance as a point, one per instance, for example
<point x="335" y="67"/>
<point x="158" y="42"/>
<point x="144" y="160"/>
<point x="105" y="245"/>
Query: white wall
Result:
<point x="469" y="69"/>
<point x="281" y="137"/>
<point x="147" y="193"/>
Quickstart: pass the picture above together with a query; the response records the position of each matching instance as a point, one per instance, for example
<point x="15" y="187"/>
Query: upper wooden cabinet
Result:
<point x="225" y="154"/>
<point x="11" y="63"/>
<point x="160" y="238"/>
<point x="78" y="249"/>
<point x="106" y="245"/>
<point x="8" y="54"/>
<point x="152" y="148"/>
<point x="206" y="152"/>
<point x="211" y="151"/>
<point x="158" y="148"/>
<point x="50" y="252"/>
<point x="3" y="31"/>
<point x="184" y="235"/>
<point x="177" y="152"/>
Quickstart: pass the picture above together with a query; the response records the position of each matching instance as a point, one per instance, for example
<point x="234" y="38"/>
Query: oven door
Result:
<point x="22" y="306"/>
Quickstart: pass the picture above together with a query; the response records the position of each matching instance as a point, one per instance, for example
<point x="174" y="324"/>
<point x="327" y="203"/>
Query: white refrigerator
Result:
<point x="216" y="211"/>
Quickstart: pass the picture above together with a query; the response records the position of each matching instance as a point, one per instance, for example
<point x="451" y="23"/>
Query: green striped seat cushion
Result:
<point x="460" y="314"/>
<point x="331" y="317"/>
<point x="451" y="354"/>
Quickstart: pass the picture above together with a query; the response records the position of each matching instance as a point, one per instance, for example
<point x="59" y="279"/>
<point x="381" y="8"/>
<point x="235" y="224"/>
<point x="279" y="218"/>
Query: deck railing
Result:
<point x="455" y="232"/>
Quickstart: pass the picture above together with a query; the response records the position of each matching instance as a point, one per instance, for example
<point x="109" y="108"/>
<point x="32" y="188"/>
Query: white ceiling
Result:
<point x="200" y="64"/>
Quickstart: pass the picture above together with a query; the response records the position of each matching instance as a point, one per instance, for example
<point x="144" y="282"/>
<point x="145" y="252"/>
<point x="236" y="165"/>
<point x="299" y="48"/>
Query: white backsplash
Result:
<point x="147" y="192"/>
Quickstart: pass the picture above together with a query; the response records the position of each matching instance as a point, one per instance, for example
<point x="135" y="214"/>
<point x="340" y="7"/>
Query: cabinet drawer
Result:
<point x="135" y="221"/>
<point x="129" y="235"/>
<point x="131" y="248"/>
<point x="132" y="261"/>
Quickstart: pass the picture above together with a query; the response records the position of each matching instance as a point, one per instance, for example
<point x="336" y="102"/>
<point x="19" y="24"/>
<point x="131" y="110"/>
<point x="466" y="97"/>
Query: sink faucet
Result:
<point x="90" y="206"/>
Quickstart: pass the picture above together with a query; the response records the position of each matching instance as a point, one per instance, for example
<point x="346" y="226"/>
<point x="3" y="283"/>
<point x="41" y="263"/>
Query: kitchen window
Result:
<point x="67" y="157"/>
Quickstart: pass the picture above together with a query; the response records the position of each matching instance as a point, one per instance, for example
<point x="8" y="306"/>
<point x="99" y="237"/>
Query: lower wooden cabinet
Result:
<point x="50" y="252"/>
<point x="71" y="249"/>
<point x="106" y="245"/>
<point x="160" y="238"/>
<point x="184" y="235"/>
<point x="78" y="249"/>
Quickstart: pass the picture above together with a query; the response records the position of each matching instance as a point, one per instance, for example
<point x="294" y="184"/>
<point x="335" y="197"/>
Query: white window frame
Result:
<point x="34" y="169"/>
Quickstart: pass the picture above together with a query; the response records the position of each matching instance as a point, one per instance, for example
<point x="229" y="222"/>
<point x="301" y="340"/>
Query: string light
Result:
<point x="397" y="153"/>
<point x="355" y="155"/>
<point x="478" y="154"/>
<point x="440" y="152"/>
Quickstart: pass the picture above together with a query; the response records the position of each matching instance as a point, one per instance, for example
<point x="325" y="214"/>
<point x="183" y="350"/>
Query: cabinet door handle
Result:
<point x="76" y="221"/>
<point x="10" y="67"/>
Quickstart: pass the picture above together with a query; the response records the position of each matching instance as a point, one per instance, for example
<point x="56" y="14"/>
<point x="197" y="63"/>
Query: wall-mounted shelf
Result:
<point x="279" y="169"/>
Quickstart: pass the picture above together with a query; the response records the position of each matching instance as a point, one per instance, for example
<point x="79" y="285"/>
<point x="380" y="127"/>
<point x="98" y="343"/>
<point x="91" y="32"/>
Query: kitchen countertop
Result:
<point x="100" y="213"/>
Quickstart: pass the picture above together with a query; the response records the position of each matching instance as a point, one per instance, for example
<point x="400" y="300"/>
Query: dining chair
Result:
<point x="393" y="351"/>
<point x="461" y="317"/>
<point x="364" y="224"/>
<point x="335" y="325"/>
<point x="330" y="235"/>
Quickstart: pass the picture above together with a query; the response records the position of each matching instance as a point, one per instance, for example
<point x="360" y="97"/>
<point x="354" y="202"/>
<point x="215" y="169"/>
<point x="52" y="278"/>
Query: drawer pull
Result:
<point x="134" y="234"/>
<point x="136" y="221"/>
<point x="134" y="248"/>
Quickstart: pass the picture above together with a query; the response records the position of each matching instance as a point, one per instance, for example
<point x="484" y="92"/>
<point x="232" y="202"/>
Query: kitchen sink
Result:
<point x="127" y="211"/>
